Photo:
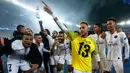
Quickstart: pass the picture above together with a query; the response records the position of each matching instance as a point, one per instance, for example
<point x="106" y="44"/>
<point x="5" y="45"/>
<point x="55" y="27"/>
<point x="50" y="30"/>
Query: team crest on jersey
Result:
<point x="125" y="38"/>
<point x="115" y="36"/>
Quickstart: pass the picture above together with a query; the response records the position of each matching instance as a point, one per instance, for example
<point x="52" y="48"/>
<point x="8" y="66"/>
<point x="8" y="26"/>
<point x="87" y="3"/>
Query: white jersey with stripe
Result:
<point x="20" y="52"/>
<point x="64" y="48"/>
<point x="67" y="46"/>
<point x="114" y="44"/>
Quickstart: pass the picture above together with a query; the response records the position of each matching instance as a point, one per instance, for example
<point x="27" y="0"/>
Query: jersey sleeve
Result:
<point x="124" y="41"/>
<point x="17" y="44"/>
<point x="72" y="35"/>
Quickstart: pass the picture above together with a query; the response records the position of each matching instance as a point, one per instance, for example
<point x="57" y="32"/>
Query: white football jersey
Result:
<point x="114" y="44"/>
<point x="64" y="48"/>
<point x="20" y="52"/>
<point x="40" y="48"/>
<point x="67" y="46"/>
<point x="101" y="45"/>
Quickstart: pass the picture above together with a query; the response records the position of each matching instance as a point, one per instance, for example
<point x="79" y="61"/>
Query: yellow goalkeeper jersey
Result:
<point x="82" y="48"/>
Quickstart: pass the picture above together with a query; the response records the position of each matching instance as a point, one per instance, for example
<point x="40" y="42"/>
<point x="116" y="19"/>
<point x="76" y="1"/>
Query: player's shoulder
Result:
<point x="93" y="36"/>
<point x="91" y="39"/>
<point x="67" y="40"/>
<point x="121" y="33"/>
<point x="107" y="32"/>
<point x="17" y="44"/>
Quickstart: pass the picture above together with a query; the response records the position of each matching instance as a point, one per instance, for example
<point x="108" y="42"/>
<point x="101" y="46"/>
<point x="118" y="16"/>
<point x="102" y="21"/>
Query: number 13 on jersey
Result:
<point x="83" y="49"/>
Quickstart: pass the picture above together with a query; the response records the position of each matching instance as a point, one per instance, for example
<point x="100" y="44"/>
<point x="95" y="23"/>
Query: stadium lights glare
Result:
<point x="68" y="23"/>
<point x="122" y="23"/>
<point x="42" y="13"/>
<point x="128" y="22"/>
<point x="77" y="26"/>
<point x="23" y="5"/>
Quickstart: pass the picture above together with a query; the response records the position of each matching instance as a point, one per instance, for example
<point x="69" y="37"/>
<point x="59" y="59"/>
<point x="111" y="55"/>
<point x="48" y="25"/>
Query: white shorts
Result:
<point x="68" y="59"/>
<point x="14" y="65"/>
<point x="54" y="60"/>
<point x="117" y="64"/>
<point x="77" y="71"/>
<point x="61" y="59"/>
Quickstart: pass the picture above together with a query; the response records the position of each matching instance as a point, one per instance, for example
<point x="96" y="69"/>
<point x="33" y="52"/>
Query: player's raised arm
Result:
<point x="49" y="11"/>
<point x="41" y="27"/>
<point x="124" y="40"/>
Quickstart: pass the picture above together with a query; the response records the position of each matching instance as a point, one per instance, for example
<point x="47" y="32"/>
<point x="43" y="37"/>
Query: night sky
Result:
<point x="73" y="11"/>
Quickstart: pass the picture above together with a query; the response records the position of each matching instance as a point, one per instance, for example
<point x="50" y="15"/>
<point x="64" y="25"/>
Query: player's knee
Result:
<point x="70" y="68"/>
<point x="59" y="67"/>
<point x="94" y="71"/>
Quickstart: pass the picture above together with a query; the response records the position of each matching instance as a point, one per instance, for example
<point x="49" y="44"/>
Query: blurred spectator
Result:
<point x="19" y="33"/>
<point x="129" y="38"/>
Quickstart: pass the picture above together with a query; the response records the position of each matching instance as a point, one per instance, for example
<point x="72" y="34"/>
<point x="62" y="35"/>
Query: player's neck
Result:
<point x="84" y="36"/>
<point x="112" y="31"/>
<point x="38" y="44"/>
<point x="25" y="46"/>
<point x="98" y="33"/>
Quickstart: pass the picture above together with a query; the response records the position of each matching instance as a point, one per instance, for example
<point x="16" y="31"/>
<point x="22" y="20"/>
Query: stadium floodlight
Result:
<point x="89" y="26"/>
<point x="122" y="23"/>
<point x="43" y="15"/>
<point x="128" y="22"/>
<point x="68" y="23"/>
<point x="77" y="26"/>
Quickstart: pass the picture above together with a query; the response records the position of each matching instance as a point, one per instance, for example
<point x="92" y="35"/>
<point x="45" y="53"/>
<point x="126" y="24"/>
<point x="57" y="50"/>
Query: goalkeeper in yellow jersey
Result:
<point x="82" y="46"/>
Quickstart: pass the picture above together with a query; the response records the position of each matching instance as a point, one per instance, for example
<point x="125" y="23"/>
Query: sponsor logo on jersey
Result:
<point x="99" y="42"/>
<point x="125" y="38"/>
<point x="115" y="36"/>
<point x="112" y="44"/>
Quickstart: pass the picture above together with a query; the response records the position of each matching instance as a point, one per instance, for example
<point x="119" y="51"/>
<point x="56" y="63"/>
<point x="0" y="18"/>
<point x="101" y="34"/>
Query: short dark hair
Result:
<point x="112" y="19"/>
<point x="19" y="26"/>
<point x="84" y="23"/>
<point x="37" y="34"/>
<point x="55" y="31"/>
<point x="61" y="32"/>
<point x="99" y="25"/>
<point x="48" y="32"/>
